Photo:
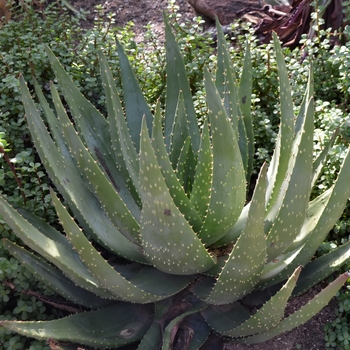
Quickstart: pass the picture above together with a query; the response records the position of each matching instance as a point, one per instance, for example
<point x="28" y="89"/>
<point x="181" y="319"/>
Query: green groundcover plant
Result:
<point x="161" y="249"/>
<point x="337" y="332"/>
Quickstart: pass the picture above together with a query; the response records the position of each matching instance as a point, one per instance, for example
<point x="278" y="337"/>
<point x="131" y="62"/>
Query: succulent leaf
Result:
<point x="275" y="269"/>
<point x="314" y="213"/>
<point x="225" y="80"/>
<point x="296" y="188"/>
<point x="223" y="318"/>
<point x="167" y="336"/>
<point x="136" y="106"/>
<point x="227" y="88"/>
<point x="177" y="82"/>
<point x="322" y="157"/>
<point x="199" y="332"/>
<point x="202" y="183"/>
<point x="186" y="166"/>
<point x="49" y="114"/>
<point x="168" y="241"/>
<point x="245" y="96"/>
<point x="153" y="338"/>
<point x="122" y="138"/>
<point x="302" y="315"/>
<point x="323" y="212"/>
<point x="109" y="198"/>
<point x="58" y="251"/>
<point x="236" y="230"/>
<point x="173" y="205"/>
<point x="55" y="279"/>
<point x="180" y="131"/>
<point x="142" y="288"/>
<point x="91" y="124"/>
<point x="228" y="186"/>
<point x="63" y="171"/>
<point x="246" y="261"/>
<point x="116" y="325"/>
<point x="175" y="188"/>
<point x="270" y="314"/>
<point x="329" y="212"/>
<point x="319" y="269"/>
<point x="279" y="162"/>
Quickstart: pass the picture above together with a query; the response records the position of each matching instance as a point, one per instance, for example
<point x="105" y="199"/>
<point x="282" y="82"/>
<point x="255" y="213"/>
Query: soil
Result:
<point x="309" y="336"/>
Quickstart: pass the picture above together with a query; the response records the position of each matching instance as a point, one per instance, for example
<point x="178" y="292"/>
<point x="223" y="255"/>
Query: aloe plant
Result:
<point x="160" y="248"/>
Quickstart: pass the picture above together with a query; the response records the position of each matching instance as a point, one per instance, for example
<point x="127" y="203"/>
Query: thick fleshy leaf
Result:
<point x="175" y="188"/>
<point x="109" y="198"/>
<point x="274" y="208"/>
<point x="200" y="195"/>
<point x="168" y="240"/>
<point x="244" y="265"/>
<point x="168" y="331"/>
<point x="295" y="189"/>
<point x="314" y="213"/>
<point x="322" y="157"/>
<point x="55" y="279"/>
<point x="228" y="186"/>
<point x="227" y="88"/>
<point x="141" y="287"/>
<point x="51" y="118"/>
<point x="195" y="332"/>
<point x="153" y="338"/>
<point x="278" y="267"/>
<point x="302" y="315"/>
<point x="122" y="141"/>
<point x="223" y="318"/>
<point x="91" y="124"/>
<point x="136" y="106"/>
<point x="244" y="98"/>
<point x="63" y="172"/>
<point x="177" y="82"/>
<point x="331" y="210"/>
<point x="113" y="326"/>
<point x="225" y="80"/>
<point x="280" y="159"/>
<point x="270" y="314"/>
<point x="58" y="251"/>
<point x="318" y="269"/>
<point x="236" y="230"/>
<point x="180" y="131"/>
<point x="323" y="213"/>
<point x="186" y="166"/>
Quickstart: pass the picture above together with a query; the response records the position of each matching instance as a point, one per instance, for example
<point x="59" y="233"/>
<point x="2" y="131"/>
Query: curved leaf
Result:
<point x="109" y="198"/>
<point x="113" y="326"/>
<point x="270" y="314"/>
<point x="55" y="279"/>
<point x="177" y="82"/>
<point x="67" y="178"/>
<point x="175" y="189"/>
<point x="244" y="265"/>
<point x="228" y="186"/>
<point x="141" y="288"/>
<point x="58" y="251"/>
<point x="168" y="240"/>
<point x="302" y="315"/>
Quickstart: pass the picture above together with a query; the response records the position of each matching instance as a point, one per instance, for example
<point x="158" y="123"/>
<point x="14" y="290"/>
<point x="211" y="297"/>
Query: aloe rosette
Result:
<point x="168" y="200"/>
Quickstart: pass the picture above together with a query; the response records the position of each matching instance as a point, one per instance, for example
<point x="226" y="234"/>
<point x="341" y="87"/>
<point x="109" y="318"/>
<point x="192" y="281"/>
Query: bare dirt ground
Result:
<point x="306" y="337"/>
<point x="141" y="12"/>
